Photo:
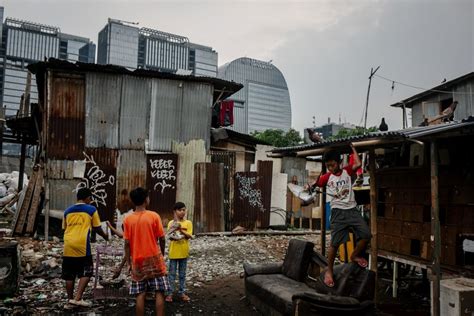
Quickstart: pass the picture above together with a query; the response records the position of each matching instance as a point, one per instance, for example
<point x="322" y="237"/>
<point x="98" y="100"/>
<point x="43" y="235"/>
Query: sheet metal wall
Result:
<point x="209" y="197"/>
<point x="161" y="180"/>
<point x="102" y="110"/>
<point x="134" y="112"/>
<point x="131" y="170"/>
<point x="66" y="121"/>
<point x="165" y="115"/>
<point x="62" y="193"/>
<point x="180" y="111"/>
<point x="196" y="112"/>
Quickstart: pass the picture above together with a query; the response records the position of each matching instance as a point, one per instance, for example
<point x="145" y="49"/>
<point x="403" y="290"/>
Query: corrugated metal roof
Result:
<point x="409" y="133"/>
<point x="134" y="112"/>
<point x="227" y="88"/>
<point x="446" y="86"/>
<point x="102" y="110"/>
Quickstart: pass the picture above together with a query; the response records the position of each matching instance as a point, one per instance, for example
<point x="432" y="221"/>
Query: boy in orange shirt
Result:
<point x="142" y="231"/>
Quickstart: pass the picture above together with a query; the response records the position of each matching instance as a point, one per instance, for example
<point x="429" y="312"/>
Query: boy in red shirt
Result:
<point x="344" y="214"/>
<point x="142" y="231"/>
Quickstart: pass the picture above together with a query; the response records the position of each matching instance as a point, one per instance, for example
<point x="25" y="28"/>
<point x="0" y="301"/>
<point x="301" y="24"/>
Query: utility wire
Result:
<point x="420" y="88"/>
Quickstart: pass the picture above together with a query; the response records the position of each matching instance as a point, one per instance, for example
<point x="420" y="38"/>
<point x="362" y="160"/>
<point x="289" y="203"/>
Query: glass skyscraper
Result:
<point x="25" y="42"/>
<point x="264" y="102"/>
<point x="126" y="45"/>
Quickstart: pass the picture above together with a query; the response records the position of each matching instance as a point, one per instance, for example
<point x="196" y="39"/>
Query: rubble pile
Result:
<point x="218" y="257"/>
<point x="9" y="186"/>
<point x="42" y="290"/>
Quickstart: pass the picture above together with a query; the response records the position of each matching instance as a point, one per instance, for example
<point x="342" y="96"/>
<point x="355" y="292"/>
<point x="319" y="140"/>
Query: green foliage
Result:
<point x="278" y="138"/>
<point x="344" y="133"/>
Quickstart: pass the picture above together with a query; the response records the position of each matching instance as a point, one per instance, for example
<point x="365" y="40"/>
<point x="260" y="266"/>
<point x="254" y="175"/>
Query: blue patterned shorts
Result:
<point x="159" y="284"/>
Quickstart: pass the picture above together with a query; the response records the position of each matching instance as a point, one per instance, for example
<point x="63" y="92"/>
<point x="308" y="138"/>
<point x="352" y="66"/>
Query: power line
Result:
<point x="420" y="88"/>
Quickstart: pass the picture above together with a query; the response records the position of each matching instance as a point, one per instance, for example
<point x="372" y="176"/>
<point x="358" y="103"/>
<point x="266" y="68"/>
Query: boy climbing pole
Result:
<point x="344" y="214"/>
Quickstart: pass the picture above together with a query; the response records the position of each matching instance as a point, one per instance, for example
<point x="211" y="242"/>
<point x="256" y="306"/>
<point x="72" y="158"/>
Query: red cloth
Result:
<point x="226" y="113"/>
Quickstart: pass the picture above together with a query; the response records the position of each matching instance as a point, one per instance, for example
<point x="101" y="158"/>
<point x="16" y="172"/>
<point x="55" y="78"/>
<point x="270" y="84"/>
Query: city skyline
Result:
<point x="325" y="49"/>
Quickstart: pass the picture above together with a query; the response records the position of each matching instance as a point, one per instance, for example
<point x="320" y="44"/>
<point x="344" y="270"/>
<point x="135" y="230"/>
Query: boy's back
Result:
<point x="142" y="229"/>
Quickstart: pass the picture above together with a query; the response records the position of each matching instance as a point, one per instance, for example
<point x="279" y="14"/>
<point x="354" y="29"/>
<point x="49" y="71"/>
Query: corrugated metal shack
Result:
<point x="112" y="129"/>
<point x="421" y="195"/>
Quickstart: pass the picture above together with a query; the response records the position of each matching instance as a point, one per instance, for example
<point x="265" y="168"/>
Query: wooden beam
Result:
<point x="435" y="230"/>
<point x="373" y="216"/>
<point x="323" y="215"/>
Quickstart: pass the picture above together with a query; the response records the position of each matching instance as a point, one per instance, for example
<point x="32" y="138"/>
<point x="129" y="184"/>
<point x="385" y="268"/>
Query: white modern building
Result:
<point x="264" y="103"/>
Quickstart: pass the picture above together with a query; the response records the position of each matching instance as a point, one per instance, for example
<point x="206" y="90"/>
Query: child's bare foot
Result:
<point x="169" y="298"/>
<point x="328" y="279"/>
<point x="360" y="261"/>
<point x="185" y="298"/>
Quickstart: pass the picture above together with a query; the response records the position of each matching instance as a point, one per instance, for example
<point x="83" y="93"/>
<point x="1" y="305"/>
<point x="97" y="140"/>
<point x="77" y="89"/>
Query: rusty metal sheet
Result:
<point x="161" y="181"/>
<point x="131" y="171"/>
<point x="100" y="177"/>
<point x="134" y="112"/>
<point x="66" y="117"/>
<point x="265" y="173"/>
<point x="228" y="160"/>
<point x="60" y="169"/>
<point x="209" y="197"/>
<point x="252" y="198"/>
<point x="103" y="93"/>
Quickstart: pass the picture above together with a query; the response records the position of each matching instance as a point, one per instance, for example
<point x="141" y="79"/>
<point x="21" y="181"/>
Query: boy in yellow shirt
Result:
<point x="180" y="231"/>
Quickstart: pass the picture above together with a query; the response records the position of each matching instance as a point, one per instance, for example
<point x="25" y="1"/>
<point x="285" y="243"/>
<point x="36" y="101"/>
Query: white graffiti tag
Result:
<point x="254" y="196"/>
<point x="162" y="170"/>
<point x="96" y="180"/>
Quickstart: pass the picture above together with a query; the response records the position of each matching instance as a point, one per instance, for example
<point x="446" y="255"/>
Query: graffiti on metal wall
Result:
<point x="247" y="191"/>
<point x="96" y="180"/>
<point x="163" y="170"/>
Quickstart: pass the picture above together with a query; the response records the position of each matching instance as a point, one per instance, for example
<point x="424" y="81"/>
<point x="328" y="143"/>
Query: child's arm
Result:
<point x="357" y="162"/>
<point x="161" y="241"/>
<point x="114" y="230"/>
<point x="185" y="233"/>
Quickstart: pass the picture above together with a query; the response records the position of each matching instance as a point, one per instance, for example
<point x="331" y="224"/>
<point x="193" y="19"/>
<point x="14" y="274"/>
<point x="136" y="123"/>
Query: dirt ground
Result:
<point x="213" y="280"/>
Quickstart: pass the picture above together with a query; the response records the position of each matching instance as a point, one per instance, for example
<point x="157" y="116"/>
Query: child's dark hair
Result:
<point x="83" y="193"/>
<point x="138" y="196"/>
<point x="332" y="155"/>
<point x="178" y="206"/>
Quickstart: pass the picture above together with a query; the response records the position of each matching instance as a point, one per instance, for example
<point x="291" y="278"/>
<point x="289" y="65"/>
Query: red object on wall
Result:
<point x="226" y="113"/>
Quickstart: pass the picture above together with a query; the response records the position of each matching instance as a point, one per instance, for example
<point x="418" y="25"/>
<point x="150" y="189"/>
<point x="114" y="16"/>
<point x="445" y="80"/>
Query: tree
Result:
<point x="278" y="138"/>
<point x="345" y="132"/>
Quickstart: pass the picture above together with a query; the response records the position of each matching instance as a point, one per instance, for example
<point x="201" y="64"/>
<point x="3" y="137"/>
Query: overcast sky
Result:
<point x="325" y="49"/>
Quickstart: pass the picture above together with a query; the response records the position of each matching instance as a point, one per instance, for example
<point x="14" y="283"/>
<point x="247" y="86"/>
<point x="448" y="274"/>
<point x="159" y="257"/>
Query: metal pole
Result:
<point x="372" y="73"/>
<point x="395" y="280"/>
<point x="323" y="216"/>
<point x="435" y="230"/>
<point x="373" y="216"/>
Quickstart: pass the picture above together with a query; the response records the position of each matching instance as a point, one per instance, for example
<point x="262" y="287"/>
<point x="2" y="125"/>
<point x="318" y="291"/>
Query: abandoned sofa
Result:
<point x="285" y="288"/>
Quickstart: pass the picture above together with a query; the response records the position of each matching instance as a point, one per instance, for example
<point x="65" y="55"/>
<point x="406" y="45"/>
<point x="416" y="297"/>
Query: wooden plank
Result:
<point x="33" y="212"/>
<point x="435" y="230"/>
<point x="22" y="210"/>
<point x="373" y="216"/>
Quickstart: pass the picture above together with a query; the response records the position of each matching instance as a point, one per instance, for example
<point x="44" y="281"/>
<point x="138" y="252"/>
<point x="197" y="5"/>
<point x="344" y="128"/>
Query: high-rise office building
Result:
<point x="121" y="43"/>
<point x="264" y="102"/>
<point x="25" y="42"/>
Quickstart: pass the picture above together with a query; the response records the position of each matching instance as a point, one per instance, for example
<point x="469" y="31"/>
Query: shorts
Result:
<point x="159" y="284"/>
<point x="77" y="267"/>
<point x="342" y="221"/>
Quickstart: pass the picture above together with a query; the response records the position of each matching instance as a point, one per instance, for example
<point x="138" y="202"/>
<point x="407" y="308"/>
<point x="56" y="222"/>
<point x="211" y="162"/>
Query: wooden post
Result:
<point x="373" y="216"/>
<point x="22" y="163"/>
<point x="435" y="230"/>
<point x="395" y="280"/>
<point x="323" y="215"/>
